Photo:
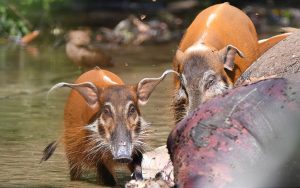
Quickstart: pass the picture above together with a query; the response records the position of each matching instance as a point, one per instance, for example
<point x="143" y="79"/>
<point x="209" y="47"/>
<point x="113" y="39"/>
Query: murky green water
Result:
<point x="28" y="122"/>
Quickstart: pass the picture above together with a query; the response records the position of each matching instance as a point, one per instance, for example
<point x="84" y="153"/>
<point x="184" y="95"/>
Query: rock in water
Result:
<point x="157" y="170"/>
<point x="80" y="50"/>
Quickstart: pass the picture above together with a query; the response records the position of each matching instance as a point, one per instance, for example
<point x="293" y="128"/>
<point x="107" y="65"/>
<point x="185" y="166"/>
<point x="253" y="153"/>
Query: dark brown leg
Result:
<point x="75" y="172"/>
<point x="136" y="166"/>
<point x="104" y="176"/>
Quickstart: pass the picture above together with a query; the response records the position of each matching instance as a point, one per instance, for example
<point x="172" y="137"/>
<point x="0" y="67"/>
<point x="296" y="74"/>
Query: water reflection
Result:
<point x="29" y="122"/>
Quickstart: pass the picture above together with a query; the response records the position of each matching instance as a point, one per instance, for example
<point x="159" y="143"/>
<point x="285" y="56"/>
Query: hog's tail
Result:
<point x="49" y="150"/>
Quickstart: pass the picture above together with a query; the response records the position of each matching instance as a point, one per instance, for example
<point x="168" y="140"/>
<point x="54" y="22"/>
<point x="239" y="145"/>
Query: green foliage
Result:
<point x="18" y="17"/>
<point x="10" y="24"/>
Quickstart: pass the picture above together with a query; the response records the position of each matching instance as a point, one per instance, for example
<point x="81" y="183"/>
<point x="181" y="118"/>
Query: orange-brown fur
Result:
<point x="230" y="26"/>
<point x="103" y="124"/>
<point x="77" y="114"/>
<point x="223" y="40"/>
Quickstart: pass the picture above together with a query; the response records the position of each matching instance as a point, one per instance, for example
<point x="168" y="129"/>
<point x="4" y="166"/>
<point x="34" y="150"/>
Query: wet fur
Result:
<point x="91" y="149"/>
<point x="91" y="136"/>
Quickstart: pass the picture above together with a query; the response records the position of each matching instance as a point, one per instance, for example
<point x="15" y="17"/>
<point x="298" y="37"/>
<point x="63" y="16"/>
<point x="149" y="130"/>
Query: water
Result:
<point x="28" y="122"/>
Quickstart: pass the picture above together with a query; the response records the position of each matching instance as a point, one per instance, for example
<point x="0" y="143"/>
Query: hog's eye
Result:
<point x="210" y="81"/>
<point x="131" y="110"/>
<point x="106" y="111"/>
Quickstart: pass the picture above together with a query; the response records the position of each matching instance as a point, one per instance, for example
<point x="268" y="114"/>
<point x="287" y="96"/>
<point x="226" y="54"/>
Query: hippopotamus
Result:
<point x="242" y="138"/>
<point x="248" y="136"/>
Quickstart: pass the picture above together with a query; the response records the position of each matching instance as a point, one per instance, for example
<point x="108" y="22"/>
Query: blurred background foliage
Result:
<point x="19" y="17"/>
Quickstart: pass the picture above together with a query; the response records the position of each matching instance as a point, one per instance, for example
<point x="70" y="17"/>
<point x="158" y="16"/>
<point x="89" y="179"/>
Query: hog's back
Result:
<point x="221" y="25"/>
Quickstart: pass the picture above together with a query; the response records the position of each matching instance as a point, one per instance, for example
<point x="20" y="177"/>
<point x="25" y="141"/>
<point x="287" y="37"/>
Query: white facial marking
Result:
<point x="208" y="73"/>
<point x="136" y="119"/>
<point x="143" y="122"/>
<point x="127" y="108"/>
<point x="183" y="79"/>
<point x="112" y="108"/>
<point x="181" y="94"/>
<point x="93" y="126"/>
<point x="217" y="89"/>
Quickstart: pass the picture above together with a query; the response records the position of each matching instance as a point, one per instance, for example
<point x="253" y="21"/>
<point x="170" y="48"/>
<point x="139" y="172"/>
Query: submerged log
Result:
<point x="240" y="139"/>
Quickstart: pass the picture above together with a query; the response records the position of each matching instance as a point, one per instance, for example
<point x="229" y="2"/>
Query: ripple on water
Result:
<point x="28" y="122"/>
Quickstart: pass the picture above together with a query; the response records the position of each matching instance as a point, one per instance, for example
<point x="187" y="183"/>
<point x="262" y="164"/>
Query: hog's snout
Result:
<point x="122" y="152"/>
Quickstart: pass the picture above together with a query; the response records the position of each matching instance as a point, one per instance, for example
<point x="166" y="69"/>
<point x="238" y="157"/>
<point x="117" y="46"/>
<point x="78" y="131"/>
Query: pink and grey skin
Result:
<point x="241" y="139"/>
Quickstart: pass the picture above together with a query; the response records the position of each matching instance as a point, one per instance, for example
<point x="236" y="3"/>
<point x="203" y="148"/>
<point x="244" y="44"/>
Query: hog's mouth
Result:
<point x="122" y="159"/>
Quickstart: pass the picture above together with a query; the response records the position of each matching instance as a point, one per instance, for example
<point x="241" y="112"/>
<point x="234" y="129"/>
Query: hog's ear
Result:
<point x="147" y="85"/>
<point x="178" y="59"/>
<point x="228" y="54"/>
<point x="179" y="55"/>
<point x="86" y="89"/>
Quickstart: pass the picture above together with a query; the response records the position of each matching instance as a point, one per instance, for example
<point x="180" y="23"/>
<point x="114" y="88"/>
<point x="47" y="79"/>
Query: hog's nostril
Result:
<point x="122" y="152"/>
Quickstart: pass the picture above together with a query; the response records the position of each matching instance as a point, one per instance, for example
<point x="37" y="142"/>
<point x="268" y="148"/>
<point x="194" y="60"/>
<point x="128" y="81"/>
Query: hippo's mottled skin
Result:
<point x="239" y="139"/>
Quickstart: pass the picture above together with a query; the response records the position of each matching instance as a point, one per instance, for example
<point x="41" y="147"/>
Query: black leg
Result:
<point x="104" y="176"/>
<point x="136" y="166"/>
